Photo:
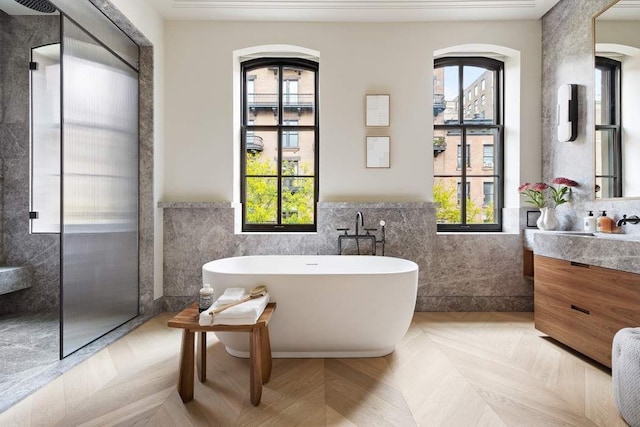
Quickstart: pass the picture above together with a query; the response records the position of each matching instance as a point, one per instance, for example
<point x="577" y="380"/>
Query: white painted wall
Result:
<point x="151" y="24"/>
<point x="355" y="59"/>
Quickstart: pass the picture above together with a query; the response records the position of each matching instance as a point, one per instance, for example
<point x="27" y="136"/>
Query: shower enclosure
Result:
<point x="69" y="188"/>
<point x="77" y="190"/>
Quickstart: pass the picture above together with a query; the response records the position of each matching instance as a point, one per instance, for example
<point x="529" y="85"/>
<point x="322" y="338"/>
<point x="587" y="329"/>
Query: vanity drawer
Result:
<point x="589" y="334"/>
<point x="583" y="306"/>
<point x="604" y="292"/>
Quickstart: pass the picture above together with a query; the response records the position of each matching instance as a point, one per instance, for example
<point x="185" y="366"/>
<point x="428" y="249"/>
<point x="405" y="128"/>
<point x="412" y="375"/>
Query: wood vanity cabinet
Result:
<point x="583" y="306"/>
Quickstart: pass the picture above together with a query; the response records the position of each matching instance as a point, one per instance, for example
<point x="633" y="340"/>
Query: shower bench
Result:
<point x="14" y="279"/>
<point x="259" y="353"/>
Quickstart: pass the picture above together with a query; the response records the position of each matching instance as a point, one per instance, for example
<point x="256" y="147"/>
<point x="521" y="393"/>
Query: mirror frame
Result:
<point x="593" y="139"/>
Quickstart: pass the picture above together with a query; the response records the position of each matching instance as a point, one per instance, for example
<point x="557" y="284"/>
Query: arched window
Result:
<point x="470" y="197"/>
<point x="279" y="145"/>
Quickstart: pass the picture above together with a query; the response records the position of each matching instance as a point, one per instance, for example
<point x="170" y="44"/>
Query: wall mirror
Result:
<point x="617" y="88"/>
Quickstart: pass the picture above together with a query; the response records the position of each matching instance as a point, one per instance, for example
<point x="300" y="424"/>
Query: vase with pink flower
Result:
<point x="560" y="190"/>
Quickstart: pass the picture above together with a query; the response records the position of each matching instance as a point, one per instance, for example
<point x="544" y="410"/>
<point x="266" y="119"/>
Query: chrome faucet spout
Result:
<point x="361" y="222"/>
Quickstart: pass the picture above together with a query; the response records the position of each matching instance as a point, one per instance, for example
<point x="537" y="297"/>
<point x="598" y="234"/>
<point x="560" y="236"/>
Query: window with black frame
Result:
<point x="608" y="140"/>
<point x="468" y="125"/>
<point x="279" y="158"/>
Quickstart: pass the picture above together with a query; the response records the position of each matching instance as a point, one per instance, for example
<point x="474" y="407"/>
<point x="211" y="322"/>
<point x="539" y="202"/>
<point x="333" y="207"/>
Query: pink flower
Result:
<point x="524" y="187"/>
<point x="540" y="186"/>
<point x="533" y="194"/>
<point x="564" y="181"/>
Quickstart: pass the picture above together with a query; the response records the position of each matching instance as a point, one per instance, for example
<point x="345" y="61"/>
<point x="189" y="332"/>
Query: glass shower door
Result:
<point x="99" y="189"/>
<point x="45" y="139"/>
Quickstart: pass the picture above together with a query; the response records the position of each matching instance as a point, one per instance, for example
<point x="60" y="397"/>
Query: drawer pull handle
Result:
<point x="579" y="264"/>
<point x="580" y="309"/>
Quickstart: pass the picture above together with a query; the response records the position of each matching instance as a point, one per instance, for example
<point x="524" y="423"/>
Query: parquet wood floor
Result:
<point x="451" y="369"/>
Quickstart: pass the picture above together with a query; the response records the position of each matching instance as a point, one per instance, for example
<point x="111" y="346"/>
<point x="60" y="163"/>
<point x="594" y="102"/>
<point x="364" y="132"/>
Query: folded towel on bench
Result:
<point x="246" y="313"/>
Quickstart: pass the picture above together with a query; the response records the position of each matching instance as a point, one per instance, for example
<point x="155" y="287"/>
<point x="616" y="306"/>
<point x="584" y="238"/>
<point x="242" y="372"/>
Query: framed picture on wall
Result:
<point x="377" y="110"/>
<point x="378" y="152"/>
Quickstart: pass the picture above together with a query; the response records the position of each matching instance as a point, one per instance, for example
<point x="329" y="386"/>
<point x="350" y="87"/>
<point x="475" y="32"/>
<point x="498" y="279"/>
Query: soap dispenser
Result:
<point x="590" y="223"/>
<point x="604" y="223"/>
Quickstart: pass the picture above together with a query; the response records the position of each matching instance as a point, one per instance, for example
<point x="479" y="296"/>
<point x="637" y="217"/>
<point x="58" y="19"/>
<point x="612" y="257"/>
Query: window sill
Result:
<point x="477" y="233"/>
<point x="277" y="233"/>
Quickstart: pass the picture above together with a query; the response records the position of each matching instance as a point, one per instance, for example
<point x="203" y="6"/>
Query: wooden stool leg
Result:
<point x="256" y="366"/>
<point x="266" y="355"/>
<point x="185" y="376"/>
<point x="201" y="356"/>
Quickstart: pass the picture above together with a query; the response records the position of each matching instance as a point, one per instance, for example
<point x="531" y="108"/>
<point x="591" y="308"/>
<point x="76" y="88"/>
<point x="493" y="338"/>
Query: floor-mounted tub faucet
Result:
<point x="368" y="236"/>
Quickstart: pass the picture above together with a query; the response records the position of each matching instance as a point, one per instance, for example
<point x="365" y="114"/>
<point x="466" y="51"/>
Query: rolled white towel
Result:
<point x="246" y="313"/>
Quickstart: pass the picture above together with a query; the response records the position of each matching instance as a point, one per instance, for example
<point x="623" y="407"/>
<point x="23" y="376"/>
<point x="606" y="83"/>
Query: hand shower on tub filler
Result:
<point x="382" y="239"/>
<point x="368" y="236"/>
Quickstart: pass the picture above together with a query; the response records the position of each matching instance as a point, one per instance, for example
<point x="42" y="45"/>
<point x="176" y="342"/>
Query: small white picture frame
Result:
<point x="377" y="110"/>
<point x="378" y="152"/>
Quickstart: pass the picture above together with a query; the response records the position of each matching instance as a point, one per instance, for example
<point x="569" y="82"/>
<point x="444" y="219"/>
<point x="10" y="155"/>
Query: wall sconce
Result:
<point x="567" y="112"/>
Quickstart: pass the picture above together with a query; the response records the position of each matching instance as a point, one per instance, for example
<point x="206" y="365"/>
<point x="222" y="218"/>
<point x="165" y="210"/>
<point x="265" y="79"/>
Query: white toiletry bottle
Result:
<point x="590" y="222"/>
<point x="205" y="298"/>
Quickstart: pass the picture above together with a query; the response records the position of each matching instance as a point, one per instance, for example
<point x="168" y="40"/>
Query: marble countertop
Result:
<point x="615" y="251"/>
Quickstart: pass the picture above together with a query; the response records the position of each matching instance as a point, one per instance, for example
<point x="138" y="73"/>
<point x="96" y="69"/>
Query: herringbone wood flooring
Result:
<point x="453" y="369"/>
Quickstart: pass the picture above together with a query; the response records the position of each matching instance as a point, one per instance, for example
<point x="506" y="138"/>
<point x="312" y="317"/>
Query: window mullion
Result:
<point x="279" y="141"/>
<point x="463" y="178"/>
<point x="460" y="95"/>
<point x="463" y="148"/>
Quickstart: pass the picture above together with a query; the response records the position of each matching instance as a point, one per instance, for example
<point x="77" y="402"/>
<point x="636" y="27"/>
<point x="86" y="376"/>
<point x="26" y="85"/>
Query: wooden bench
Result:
<point x="259" y="353"/>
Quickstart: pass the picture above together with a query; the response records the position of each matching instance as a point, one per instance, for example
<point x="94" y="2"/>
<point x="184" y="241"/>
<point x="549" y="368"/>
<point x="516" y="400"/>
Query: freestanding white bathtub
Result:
<point x="328" y="305"/>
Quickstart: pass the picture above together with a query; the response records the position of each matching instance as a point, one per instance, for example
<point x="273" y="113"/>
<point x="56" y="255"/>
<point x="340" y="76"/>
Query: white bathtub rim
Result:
<point x="317" y="354"/>
<point x="408" y="266"/>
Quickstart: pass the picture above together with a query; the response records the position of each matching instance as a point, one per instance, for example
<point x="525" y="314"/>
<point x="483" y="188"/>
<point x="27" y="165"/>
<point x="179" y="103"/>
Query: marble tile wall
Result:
<point x="458" y="272"/>
<point x="567" y="57"/>
<point x="40" y="251"/>
<point x="4" y="45"/>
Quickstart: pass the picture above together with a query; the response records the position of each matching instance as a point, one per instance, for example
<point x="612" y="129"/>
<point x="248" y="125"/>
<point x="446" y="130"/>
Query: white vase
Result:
<point x="547" y="220"/>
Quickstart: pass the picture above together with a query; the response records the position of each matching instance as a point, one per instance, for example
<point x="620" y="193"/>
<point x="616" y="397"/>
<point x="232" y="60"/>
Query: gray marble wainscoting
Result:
<point x="458" y="272"/>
